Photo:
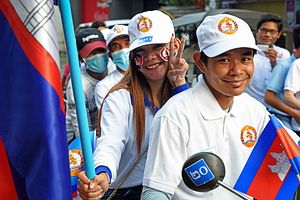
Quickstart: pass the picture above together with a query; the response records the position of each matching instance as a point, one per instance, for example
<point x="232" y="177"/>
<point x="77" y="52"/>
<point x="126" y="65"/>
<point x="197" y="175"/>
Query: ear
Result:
<point x="279" y="34"/>
<point x="200" y="64"/>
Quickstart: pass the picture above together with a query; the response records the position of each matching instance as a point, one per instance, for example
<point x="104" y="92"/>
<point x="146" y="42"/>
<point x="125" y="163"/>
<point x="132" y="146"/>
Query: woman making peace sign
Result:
<point x="156" y="72"/>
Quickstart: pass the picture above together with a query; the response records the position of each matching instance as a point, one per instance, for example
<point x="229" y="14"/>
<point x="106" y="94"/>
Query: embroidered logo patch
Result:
<point x="227" y="26"/>
<point x="118" y="29"/>
<point x="248" y="136"/>
<point x="144" y="24"/>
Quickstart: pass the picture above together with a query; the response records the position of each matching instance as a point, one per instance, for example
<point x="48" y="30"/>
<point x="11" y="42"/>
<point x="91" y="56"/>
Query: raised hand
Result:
<point x="272" y="55"/>
<point x="177" y="65"/>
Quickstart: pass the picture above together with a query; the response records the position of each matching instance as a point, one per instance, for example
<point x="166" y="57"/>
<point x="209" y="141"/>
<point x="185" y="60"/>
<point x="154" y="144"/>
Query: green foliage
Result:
<point x="177" y="2"/>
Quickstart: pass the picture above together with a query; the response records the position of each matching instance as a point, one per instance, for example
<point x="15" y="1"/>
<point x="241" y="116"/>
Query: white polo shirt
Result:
<point x="292" y="83"/>
<point x="262" y="71"/>
<point x="193" y="122"/>
<point x="292" y="80"/>
<point x="103" y="86"/>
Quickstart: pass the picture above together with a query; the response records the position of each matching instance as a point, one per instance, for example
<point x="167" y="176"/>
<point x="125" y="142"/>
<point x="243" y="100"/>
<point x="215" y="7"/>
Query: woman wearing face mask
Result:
<point x="156" y="72"/>
<point x="118" y="46"/>
<point x="92" y="51"/>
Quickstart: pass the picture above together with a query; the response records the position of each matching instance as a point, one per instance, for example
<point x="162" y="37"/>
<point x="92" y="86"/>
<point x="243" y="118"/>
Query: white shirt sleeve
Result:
<point x="114" y="131"/>
<point x="292" y="81"/>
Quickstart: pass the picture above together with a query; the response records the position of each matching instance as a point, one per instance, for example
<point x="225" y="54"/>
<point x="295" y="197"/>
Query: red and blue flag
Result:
<point x="32" y="118"/>
<point x="272" y="169"/>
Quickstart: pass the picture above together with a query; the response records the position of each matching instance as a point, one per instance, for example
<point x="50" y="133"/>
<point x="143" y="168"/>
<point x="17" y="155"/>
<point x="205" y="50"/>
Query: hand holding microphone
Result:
<point x="205" y="171"/>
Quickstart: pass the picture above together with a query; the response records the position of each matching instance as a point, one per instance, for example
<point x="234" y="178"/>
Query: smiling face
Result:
<point x="153" y="67"/>
<point x="227" y="75"/>
<point x="268" y="33"/>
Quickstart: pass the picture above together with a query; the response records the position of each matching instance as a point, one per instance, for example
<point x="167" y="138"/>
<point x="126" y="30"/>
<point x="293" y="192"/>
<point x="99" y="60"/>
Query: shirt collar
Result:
<point x="212" y="110"/>
<point x="147" y="103"/>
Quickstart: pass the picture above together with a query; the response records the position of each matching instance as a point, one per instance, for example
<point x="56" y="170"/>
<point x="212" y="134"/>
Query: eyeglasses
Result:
<point x="265" y="31"/>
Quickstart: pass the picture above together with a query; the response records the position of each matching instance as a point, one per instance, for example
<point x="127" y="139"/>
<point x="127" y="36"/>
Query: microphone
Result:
<point x="205" y="171"/>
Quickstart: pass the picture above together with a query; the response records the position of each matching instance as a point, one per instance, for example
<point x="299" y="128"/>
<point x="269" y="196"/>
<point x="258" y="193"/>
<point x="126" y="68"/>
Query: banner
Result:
<point x="94" y="10"/>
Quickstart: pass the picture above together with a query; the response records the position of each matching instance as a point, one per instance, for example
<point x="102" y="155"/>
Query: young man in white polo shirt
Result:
<point x="211" y="116"/>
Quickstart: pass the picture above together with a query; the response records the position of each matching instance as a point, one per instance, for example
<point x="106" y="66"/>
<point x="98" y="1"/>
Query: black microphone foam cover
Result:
<point x="202" y="171"/>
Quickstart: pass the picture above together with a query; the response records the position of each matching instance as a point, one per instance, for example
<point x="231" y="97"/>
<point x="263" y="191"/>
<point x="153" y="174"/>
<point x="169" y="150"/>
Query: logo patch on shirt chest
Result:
<point x="248" y="136"/>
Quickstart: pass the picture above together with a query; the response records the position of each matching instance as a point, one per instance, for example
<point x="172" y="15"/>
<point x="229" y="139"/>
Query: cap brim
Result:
<point x="222" y="47"/>
<point x="87" y="49"/>
<point x="111" y="39"/>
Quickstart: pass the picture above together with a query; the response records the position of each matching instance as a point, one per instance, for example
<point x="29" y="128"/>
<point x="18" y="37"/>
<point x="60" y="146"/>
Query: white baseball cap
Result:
<point x="105" y="32"/>
<point x="223" y="32"/>
<point x="150" y="27"/>
<point x="116" y="31"/>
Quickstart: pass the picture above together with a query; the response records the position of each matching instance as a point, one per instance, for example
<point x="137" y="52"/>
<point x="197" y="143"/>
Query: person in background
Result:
<point x="214" y="116"/>
<point x="118" y="46"/>
<point x="268" y="31"/>
<point x="105" y="31"/>
<point x="101" y="27"/>
<point x="274" y="95"/>
<point x="92" y="50"/>
<point x="156" y="72"/>
<point x="98" y="25"/>
<point x="292" y="92"/>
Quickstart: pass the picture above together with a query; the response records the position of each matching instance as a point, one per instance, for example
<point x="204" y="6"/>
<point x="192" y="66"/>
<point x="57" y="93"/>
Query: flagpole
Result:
<point x="67" y="22"/>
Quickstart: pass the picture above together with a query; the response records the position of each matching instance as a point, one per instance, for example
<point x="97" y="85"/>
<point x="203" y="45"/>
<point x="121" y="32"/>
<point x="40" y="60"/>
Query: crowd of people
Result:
<point x="148" y="120"/>
<point x="272" y="64"/>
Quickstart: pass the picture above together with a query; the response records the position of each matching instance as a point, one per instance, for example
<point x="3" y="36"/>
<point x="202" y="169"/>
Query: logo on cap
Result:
<point x="227" y="26"/>
<point x="145" y="39"/>
<point x="118" y="29"/>
<point x="89" y="37"/>
<point x="248" y="136"/>
<point x="144" y="24"/>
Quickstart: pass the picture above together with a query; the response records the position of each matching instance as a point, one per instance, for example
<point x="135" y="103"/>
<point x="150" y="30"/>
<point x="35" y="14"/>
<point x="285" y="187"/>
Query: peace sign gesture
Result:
<point x="177" y="65"/>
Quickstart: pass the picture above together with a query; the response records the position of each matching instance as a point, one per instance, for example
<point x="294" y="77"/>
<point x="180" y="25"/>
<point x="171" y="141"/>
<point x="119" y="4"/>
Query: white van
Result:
<point x="108" y="23"/>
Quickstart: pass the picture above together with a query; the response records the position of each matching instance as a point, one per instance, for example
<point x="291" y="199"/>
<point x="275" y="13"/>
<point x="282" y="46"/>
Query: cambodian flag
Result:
<point x="32" y="119"/>
<point x="272" y="169"/>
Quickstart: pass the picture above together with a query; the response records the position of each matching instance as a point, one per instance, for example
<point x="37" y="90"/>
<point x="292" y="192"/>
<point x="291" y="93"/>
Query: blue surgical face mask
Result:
<point x="121" y="58"/>
<point x="97" y="63"/>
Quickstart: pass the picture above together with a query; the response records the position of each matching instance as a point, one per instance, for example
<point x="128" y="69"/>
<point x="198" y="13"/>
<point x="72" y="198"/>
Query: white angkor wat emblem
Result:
<point x="282" y="164"/>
